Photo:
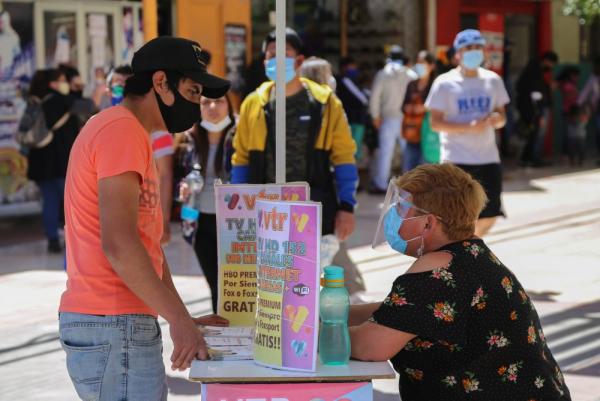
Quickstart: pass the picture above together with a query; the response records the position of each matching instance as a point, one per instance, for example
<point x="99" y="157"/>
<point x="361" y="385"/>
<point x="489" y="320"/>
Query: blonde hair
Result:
<point x="316" y="69"/>
<point x="449" y="193"/>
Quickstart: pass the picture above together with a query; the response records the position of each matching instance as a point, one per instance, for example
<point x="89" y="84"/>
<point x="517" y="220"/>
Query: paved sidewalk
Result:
<point x="550" y="241"/>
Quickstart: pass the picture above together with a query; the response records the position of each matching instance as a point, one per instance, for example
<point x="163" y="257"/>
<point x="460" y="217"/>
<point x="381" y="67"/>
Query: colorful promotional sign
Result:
<point x="288" y="238"/>
<point x="357" y="391"/>
<point x="236" y="241"/>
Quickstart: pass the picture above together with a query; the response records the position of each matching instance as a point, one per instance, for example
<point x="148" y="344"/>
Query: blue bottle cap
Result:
<point x="334" y="276"/>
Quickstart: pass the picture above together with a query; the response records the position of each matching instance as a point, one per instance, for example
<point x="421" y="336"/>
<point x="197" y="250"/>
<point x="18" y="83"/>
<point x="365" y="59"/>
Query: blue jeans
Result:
<point x="389" y="135"/>
<point x="112" y="358"/>
<point x="412" y="156"/>
<point x="52" y="198"/>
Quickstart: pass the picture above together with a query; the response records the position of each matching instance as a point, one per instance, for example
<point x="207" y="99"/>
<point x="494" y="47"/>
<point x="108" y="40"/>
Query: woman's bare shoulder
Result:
<point x="431" y="261"/>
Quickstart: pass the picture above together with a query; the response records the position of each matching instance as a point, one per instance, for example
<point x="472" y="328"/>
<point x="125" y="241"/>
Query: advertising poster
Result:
<point x="236" y="239"/>
<point x="288" y="236"/>
<point x="358" y="391"/>
<point x="17" y="65"/>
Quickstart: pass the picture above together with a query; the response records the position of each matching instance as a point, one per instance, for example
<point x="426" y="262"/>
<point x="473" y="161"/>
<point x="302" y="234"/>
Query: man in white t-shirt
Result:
<point x="467" y="106"/>
<point x="385" y="106"/>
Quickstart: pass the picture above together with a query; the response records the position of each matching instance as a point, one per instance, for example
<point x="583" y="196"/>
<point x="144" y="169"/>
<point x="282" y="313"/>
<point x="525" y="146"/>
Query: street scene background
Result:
<point x="549" y="238"/>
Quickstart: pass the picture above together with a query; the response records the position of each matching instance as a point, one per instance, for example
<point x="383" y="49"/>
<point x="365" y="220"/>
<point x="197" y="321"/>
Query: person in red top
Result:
<point x="118" y="278"/>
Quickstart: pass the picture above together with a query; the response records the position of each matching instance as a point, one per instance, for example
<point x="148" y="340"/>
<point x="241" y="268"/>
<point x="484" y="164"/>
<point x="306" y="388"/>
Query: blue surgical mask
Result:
<point x="290" y="70"/>
<point x="391" y="227"/>
<point x="420" y="69"/>
<point x="472" y="59"/>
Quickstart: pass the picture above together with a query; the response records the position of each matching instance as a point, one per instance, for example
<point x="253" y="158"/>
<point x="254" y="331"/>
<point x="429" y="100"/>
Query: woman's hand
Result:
<point x="211" y="320"/>
<point x="184" y="192"/>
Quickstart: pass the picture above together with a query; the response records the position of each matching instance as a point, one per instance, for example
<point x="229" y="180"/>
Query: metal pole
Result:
<point x="280" y="22"/>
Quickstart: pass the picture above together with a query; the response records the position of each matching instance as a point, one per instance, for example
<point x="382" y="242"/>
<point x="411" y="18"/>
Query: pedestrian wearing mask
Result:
<point x="82" y="107"/>
<point x="415" y="114"/>
<point x="387" y="97"/>
<point x="109" y="91"/>
<point x="319" y="146"/>
<point x="209" y="144"/>
<point x="534" y="103"/>
<point x="118" y="277"/>
<point x="355" y="101"/>
<point x="467" y="107"/>
<point x="47" y="165"/>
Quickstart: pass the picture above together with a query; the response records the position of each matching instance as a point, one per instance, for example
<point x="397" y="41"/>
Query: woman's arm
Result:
<point x="361" y="313"/>
<point x="374" y="342"/>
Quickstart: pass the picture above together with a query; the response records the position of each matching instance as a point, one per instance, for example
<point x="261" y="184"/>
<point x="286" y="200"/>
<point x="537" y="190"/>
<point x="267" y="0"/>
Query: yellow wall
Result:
<point x="204" y="22"/>
<point x="565" y="35"/>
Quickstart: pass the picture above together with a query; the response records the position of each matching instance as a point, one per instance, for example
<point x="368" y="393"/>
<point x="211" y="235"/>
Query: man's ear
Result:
<point x="299" y="60"/>
<point x="161" y="87"/>
<point x="159" y="82"/>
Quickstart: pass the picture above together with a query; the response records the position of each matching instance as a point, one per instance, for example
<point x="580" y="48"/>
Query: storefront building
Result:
<point x="93" y="36"/>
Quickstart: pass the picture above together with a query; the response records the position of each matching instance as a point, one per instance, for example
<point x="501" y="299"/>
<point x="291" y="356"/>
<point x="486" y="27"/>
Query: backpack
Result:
<point x="33" y="131"/>
<point x="412" y="122"/>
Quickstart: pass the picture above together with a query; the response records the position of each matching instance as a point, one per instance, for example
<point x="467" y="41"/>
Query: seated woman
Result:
<point x="457" y="325"/>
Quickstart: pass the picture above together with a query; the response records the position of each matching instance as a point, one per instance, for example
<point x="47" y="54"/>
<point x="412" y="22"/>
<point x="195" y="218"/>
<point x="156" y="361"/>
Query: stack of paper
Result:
<point x="229" y="343"/>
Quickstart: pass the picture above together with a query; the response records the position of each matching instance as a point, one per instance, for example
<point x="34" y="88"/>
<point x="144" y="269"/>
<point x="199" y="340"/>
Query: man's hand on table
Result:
<point x="188" y="343"/>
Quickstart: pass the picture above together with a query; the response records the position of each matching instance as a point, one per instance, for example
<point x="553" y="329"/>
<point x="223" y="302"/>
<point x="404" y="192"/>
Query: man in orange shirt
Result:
<point x="118" y="278"/>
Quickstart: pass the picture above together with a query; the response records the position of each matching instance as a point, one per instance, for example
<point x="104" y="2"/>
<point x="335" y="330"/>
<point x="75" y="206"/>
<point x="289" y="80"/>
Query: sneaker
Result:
<point x="54" y="246"/>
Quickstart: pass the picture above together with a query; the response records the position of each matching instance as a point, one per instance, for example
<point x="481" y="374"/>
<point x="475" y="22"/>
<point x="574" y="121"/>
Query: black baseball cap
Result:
<point x="181" y="55"/>
<point x="291" y="37"/>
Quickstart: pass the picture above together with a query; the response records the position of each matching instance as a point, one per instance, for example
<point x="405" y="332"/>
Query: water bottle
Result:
<point x="190" y="210"/>
<point x="334" y="306"/>
<point x="116" y="95"/>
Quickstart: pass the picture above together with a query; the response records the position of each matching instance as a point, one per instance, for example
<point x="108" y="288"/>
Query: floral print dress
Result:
<point x="478" y="334"/>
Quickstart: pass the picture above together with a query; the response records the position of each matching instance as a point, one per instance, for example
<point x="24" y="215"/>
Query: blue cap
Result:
<point x="468" y="37"/>
<point x="334" y="273"/>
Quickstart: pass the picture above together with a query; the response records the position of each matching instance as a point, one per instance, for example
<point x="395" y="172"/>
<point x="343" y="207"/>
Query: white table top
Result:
<point x="249" y="372"/>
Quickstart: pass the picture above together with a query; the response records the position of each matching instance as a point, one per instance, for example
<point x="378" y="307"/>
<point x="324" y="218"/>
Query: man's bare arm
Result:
<point x="118" y="202"/>
<point x="118" y="198"/>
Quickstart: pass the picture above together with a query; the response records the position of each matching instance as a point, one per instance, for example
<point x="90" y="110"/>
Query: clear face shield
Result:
<point x="396" y="207"/>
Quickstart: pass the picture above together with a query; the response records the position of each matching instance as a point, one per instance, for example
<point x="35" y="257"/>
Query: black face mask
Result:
<point x="181" y="115"/>
<point x="78" y="94"/>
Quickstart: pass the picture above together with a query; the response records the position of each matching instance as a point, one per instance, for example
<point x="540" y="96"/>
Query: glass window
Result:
<point x="60" y="36"/>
